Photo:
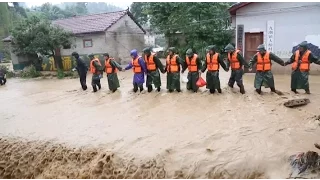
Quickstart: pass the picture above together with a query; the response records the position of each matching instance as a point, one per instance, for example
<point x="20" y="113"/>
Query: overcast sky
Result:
<point x="120" y="3"/>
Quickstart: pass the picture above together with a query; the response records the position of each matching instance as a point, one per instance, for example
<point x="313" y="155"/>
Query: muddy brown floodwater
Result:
<point x="53" y="129"/>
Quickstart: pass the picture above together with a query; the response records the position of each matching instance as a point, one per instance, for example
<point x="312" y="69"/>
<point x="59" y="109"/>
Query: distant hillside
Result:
<point x="93" y="7"/>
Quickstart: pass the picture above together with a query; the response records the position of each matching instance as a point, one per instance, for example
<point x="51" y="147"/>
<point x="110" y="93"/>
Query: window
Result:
<point x="87" y="43"/>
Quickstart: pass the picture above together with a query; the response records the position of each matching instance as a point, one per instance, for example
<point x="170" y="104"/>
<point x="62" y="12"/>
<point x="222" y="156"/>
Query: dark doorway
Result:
<point x="252" y="41"/>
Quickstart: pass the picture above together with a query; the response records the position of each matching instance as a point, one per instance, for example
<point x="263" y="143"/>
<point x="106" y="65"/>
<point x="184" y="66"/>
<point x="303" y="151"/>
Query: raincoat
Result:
<point x="82" y="70"/>
<point x="153" y="77"/>
<point x="299" y="79"/>
<point x="236" y="75"/>
<point x="97" y="75"/>
<point x="212" y="77"/>
<point x="138" y="78"/>
<point x="113" y="80"/>
<point x="192" y="76"/>
<point x="265" y="78"/>
<point x="173" y="78"/>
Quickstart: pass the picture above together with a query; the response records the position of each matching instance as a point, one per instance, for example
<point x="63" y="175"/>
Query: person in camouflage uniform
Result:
<point x="153" y="66"/>
<point x="173" y="66"/>
<point x="212" y="61"/>
<point x="111" y="68"/>
<point x="96" y="70"/>
<point x="82" y="70"/>
<point x="193" y="63"/>
<point x="264" y="75"/>
<point x="301" y="61"/>
<point x="236" y="61"/>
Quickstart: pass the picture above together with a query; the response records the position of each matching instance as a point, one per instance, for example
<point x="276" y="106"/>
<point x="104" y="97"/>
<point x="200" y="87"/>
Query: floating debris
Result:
<point x="296" y="102"/>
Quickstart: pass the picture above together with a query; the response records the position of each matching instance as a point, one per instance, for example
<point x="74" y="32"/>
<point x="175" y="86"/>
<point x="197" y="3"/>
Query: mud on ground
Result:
<point x="53" y="129"/>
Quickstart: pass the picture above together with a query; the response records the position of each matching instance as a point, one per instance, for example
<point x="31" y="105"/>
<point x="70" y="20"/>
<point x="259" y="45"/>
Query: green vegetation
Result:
<point x="69" y="9"/>
<point x="30" y="72"/>
<point x="187" y="25"/>
<point x="33" y="35"/>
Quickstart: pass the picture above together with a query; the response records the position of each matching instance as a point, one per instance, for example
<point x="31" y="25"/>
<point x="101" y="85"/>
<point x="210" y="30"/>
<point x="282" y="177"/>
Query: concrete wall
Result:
<point x="293" y="22"/>
<point x="125" y="35"/>
<point x="98" y="44"/>
<point x="118" y="41"/>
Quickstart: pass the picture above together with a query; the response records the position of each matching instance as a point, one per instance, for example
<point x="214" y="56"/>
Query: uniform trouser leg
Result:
<point x="94" y="85"/>
<point x="141" y="87"/>
<point x="3" y="81"/>
<point x="238" y="78"/>
<point x="232" y="79"/>
<point x="83" y="79"/>
<point x="149" y="83"/>
<point x="135" y="87"/>
<point x="99" y="84"/>
<point x="306" y="86"/>
<point x="150" y="88"/>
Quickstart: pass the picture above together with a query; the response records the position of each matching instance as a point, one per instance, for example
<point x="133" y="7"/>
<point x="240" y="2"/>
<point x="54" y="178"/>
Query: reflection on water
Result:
<point x="186" y="134"/>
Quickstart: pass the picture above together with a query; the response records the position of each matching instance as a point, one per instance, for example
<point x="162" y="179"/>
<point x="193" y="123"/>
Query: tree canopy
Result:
<point x="200" y="23"/>
<point x="69" y="9"/>
<point x="34" y="35"/>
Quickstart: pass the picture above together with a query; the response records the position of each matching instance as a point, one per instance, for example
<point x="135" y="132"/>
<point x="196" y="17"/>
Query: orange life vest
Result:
<point x="92" y="68"/>
<point x="151" y="66"/>
<point x="109" y="68"/>
<point x="136" y="66"/>
<point x="172" y="65"/>
<point x="305" y="64"/>
<point x="263" y="64"/>
<point x="235" y="64"/>
<point x="212" y="63"/>
<point x="192" y="65"/>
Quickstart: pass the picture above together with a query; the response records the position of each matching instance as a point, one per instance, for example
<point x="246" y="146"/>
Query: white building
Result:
<point x="278" y="25"/>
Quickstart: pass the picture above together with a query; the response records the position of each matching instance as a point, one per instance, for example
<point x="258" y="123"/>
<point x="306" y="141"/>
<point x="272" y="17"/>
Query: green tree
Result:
<point x="50" y="12"/>
<point x="199" y="23"/>
<point x="101" y="7"/>
<point x="78" y="8"/>
<point x="19" y="9"/>
<point x="139" y="11"/>
<point x="5" y="24"/>
<point x="34" y="35"/>
<point x="4" y="20"/>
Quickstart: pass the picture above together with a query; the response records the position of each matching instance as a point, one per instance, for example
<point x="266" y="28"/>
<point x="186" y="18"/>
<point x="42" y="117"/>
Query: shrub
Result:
<point x="30" y="72"/>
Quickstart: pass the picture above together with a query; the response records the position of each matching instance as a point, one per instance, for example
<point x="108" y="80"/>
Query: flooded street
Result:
<point x="189" y="135"/>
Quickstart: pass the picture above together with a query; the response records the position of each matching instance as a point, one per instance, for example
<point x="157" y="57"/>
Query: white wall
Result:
<point x="98" y="45"/>
<point x="129" y="36"/>
<point x="293" y="23"/>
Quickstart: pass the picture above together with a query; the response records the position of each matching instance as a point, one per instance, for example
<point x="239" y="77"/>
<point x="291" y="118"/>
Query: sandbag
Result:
<point x="201" y="82"/>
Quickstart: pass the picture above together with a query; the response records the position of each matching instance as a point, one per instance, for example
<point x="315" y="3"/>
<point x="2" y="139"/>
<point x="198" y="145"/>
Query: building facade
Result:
<point x="278" y="25"/>
<point x="116" y="33"/>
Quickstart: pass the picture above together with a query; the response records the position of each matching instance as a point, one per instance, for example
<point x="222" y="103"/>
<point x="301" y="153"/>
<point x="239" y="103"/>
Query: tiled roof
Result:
<point x="92" y="23"/>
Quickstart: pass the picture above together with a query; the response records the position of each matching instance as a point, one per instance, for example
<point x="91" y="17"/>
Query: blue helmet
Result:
<point x="134" y="53"/>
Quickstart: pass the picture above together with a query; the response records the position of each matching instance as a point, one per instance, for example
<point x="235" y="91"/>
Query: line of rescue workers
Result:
<point x="150" y="65"/>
